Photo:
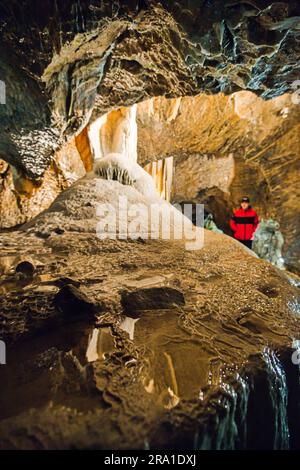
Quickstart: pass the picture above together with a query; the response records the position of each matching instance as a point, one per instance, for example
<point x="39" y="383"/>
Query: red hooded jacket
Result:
<point x="244" y="223"/>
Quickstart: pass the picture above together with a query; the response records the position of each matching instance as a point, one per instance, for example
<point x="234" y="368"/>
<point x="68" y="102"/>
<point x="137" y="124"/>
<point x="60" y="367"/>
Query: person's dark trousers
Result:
<point x="247" y="243"/>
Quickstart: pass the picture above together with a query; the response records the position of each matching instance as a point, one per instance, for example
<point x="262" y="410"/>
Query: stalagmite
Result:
<point x="117" y="167"/>
<point x="209" y="224"/>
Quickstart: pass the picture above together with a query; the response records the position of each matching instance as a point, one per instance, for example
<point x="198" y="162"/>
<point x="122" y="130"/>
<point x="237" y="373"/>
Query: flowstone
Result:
<point x="268" y="242"/>
<point x="118" y="167"/>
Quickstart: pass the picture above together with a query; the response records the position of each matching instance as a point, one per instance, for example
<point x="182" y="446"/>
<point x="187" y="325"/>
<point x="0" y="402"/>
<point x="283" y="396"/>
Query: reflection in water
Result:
<point x="6" y="263"/>
<point x="50" y="368"/>
<point x="100" y="343"/>
<point x="172" y="397"/>
<point x="55" y="367"/>
<point x="168" y="397"/>
<point x="128" y="325"/>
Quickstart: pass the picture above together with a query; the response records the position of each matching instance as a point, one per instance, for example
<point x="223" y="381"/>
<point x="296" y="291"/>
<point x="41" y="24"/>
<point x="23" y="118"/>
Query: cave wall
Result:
<point x="22" y="198"/>
<point x="70" y="62"/>
<point x="225" y="147"/>
<point x="114" y="132"/>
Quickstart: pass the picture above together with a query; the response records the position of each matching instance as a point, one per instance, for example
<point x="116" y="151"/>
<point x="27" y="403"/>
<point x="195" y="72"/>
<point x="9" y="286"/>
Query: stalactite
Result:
<point x="162" y="174"/>
<point x="120" y="168"/>
<point x="115" y="132"/>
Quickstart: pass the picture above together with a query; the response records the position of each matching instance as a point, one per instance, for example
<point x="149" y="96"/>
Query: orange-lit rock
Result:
<point x="162" y="173"/>
<point x="83" y="146"/>
<point x="227" y="146"/>
<point x="22" y="199"/>
<point x="115" y="132"/>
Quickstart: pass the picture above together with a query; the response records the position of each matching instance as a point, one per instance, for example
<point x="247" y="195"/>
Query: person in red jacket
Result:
<point x="244" y="222"/>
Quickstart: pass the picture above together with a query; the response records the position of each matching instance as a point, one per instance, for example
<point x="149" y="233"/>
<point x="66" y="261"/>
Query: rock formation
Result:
<point x="209" y="224"/>
<point x="225" y="147"/>
<point x="123" y="343"/>
<point x="132" y="337"/>
<point x="253" y="149"/>
<point x="118" y="167"/>
<point x="268" y="242"/>
<point x="92" y="59"/>
<point x="95" y="57"/>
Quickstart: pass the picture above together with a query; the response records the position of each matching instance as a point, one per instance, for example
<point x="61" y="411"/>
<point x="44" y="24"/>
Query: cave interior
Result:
<point x="136" y="340"/>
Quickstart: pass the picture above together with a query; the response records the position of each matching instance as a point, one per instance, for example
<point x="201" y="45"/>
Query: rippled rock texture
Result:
<point x="225" y="147"/>
<point x="68" y="64"/>
<point x="93" y="57"/>
<point x="177" y="348"/>
<point x="210" y="368"/>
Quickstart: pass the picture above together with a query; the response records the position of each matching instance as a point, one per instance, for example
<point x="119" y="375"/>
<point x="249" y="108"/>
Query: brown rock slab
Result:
<point x="153" y="298"/>
<point x="71" y="301"/>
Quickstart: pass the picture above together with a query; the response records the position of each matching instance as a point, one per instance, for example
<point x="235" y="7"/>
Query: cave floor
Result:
<point x="107" y="376"/>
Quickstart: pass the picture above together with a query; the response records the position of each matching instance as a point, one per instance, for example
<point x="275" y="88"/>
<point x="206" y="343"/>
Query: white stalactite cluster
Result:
<point x="117" y="167"/>
<point x="115" y="133"/>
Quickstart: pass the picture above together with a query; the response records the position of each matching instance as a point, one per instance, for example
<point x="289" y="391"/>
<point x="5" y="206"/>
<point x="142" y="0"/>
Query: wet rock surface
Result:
<point x="154" y="298"/>
<point x="22" y="198"/>
<point x="72" y="302"/>
<point x="214" y="371"/>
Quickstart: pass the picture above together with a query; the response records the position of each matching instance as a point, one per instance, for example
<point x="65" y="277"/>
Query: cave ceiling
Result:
<point x="68" y="63"/>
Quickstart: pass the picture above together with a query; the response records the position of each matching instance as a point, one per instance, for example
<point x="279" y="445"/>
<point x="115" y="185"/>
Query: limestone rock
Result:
<point x="118" y="167"/>
<point x="26" y="268"/>
<point x="268" y="242"/>
<point x="98" y="57"/>
<point x="155" y="298"/>
<point x="72" y="302"/>
<point x="227" y="147"/>
<point x="186" y="377"/>
<point x="203" y="346"/>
